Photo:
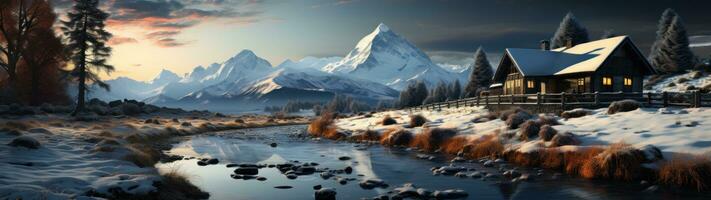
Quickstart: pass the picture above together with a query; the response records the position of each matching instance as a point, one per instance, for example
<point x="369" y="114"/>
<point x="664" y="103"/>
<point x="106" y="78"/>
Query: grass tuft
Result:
<point x="432" y="138"/>
<point x="387" y="120"/>
<point x="417" y="120"/>
<point x="396" y="137"/>
<point x="689" y="171"/>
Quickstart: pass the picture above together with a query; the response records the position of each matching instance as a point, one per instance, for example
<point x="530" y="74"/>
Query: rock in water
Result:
<point x="247" y="170"/>
<point x="273" y="144"/>
<point x="450" y="194"/>
<point x="283" y="187"/>
<point x="344" y="158"/>
<point x="25" y="141"/>
<point x="372" y="183"/>
<point x="213" y="161"/>
<point x="325" y="194"/>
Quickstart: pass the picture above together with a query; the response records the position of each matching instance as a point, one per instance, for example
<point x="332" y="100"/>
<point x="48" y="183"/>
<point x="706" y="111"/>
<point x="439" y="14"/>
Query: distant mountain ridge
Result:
<point x="380" y="64"/>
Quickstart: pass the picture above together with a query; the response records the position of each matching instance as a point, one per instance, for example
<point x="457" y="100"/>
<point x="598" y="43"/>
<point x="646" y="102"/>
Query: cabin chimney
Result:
<point x="569" y="43"/>
<point x="545" y="45"/>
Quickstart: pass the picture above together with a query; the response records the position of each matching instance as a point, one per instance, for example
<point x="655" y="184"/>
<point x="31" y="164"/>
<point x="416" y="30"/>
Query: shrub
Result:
<point x="142" y="156"/>
<point x="504" y="115"/>
<point x="562" y="139"/>
<point x="623" y="106"/>
<point x="488" y="146"/>
<point x="432" y="138"/>
<point x="417" y="120"/>
<point x="455" y="144"/>
<point x="174" y="185"/>
<point x="514" y="120"/>
<point x="619" y="161"/>
<point x="671" y="84"/>
<point x="130" y="109"/>
<point x="323" y="127"/>
<point x="547" y="120"/>
<point x="696" y="75"/>
<point x="529" y="129"/>
<point x="387" y="120"/>
<point x="682" y="80"/>
<point x="396" y="137"/>
<point x="367" y="135"/>
<point x="693" y="171"/>
<point x="575" y="113"/>
<point x="546" y="133"/>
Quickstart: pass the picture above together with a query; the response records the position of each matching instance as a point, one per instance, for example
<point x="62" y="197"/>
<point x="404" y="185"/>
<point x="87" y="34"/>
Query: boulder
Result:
<point x="325" y="194"/>
<point x="25" y="141"/>
<point x="247" y="171"/>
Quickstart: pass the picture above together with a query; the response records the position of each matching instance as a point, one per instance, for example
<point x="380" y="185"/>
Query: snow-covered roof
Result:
<point x="586" y="57"/>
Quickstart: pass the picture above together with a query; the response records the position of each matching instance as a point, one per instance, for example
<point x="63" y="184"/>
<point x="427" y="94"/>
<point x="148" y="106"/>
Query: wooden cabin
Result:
<point x="607" y="65"/>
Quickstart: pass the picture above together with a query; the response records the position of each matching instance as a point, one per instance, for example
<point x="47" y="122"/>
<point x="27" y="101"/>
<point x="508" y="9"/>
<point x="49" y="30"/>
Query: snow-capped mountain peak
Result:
<point x="165" y="76"/>
<point x="385" y="57"/>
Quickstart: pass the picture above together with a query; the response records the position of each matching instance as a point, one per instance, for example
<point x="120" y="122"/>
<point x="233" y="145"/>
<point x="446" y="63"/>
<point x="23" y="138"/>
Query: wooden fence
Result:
<point x="578" y="100"/>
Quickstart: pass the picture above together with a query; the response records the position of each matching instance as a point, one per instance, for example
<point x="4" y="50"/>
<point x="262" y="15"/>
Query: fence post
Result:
<point x="562" y="99"/>
<point x="665" y="97"/>
<point x="597" y="98"/>
<point x="649" y="98"/>
<point x="512" y="99"/>
<point x="486" y="99"/>
<point x="498" y="100"/>
<point x="697" y="99"/>
<point x="538" y="98"/>
<point x="477" y="101"/>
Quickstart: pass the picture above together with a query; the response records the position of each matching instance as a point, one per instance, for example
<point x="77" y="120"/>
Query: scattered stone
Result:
<point x="373" y="183"/>
<point x="475" y="175"/>
<point x="186" y="124"/>
<point x="283" y="187"/>
<point x="512" y="174"/>
<point x="344" y="158"/>
<point x="342" y="180"/>
<point x="231" y="165"/>
<point x="348" y="170"/>
<point x="448" y="170"/>
<point x="45" y="131"/>
<point x="261" y="178"/>
<point x="450" y="194"/>
<point x="213" y="161"/>
<point x="325" y="194"/>
<point x="326" y="175"/>
<point x="25" y="141"/>
<point x="317" y="187"/>
<point x="292" y="176"/>
<point x="247" y="171"/>
<point x="273" y="144"/>
<point x="458" y="159"/>
<point x="652" y="189"/>
<point x="461" y="174"/>
<point x="489" y="163"/>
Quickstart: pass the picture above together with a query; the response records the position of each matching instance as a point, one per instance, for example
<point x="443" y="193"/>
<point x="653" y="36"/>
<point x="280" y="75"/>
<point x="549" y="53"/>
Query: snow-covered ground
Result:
<point x="673" y="83"/>
<point x="672" y="130"/>
<point x="78" y="159"/>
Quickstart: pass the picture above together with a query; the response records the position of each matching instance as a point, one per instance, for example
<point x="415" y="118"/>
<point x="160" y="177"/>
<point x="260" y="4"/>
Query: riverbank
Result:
<point x="655" y="147"/>
<point x="55" y="156"/>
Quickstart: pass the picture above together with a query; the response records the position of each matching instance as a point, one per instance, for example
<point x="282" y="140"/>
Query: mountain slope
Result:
<point x="385" y="57"/>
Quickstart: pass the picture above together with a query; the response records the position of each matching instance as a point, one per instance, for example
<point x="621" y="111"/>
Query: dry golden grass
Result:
<point x="323" y="127"/>
<point x="691" y="171"/>
<point x="487" y="146"/>
<point x="454" y="145"/>
<point x="432" y="138"/>
<point x="142" y="155"/>
<point x="619" y="161"/>
<point x="18" y="125"/>
<point x="387" y="120"/>
<point x="396" y="137"/>
<point x="175" y="185"/>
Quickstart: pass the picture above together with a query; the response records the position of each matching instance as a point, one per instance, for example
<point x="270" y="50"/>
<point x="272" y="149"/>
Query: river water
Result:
<point x="395" y="166"/>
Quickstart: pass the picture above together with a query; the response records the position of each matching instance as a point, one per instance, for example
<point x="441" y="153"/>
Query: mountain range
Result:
<point x="382" y="63"/>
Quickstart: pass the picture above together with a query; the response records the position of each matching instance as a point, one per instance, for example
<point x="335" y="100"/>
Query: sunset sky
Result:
<point x="150" y="35"/>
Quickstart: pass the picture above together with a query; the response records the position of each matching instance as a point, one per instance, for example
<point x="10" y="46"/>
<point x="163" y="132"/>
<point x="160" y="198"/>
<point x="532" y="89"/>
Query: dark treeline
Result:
<point x="292" y="107"/>
<point x="36" y="64"/>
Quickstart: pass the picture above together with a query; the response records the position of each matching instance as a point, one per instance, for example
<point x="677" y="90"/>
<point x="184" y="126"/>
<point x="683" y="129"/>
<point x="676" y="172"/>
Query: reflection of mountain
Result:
<point x="227" y="151"/>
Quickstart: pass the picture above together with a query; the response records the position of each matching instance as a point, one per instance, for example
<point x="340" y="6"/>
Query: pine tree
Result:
<point x="569" y="29"/>
<point x="87" y="45"/>
<point x="674" y="49"/>
<point x="455" y="90"/>
<point x="440" y="93"/>
<point x="481" y="74"/>
<point x="419" y="93"/>
<point x="655" y="59"/>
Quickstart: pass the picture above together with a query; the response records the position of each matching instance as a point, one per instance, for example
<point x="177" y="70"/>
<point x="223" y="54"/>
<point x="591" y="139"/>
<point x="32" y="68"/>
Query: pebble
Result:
<point x="325" y="194"/>
<point x="283" y="187"/>
<point x="372" y="183"/>
<point x="512" y="174"/>
<point x="475" y="175"/>
<point x="461" y="174"/>
<point x="450" y="194"/>
<point x="344" y="158"/>
<point x="261" y="178"/>
<point x="273" y="144"/>
<point x="326" y="175"/>
<point x="292" y="176"/>
<point x="317" y="187"/>
<point x="348" y="170"/>
<point x="247" y="170"/>
<point x="458" y="159"/>
<point x="488" y="163"/>
<point x="213" y="161"/>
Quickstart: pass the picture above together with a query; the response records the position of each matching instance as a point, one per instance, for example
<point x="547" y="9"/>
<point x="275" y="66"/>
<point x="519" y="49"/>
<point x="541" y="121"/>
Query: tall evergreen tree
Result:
<point x="419" y="94"/>
<point x="655" y="59"/>
<point x="481" y="74"/>
<point x="674" y="49"/>
<point x="87" y="45"/>
<point x="455" y="90"/>
<point x="569" y="29"/>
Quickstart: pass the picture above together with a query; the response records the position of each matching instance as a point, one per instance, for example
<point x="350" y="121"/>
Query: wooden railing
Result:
<point x="572" y="100"/>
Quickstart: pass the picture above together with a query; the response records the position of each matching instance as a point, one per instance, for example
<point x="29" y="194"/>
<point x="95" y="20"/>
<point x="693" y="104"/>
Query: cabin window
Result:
<point x="581" y="85"/>
<point x="530" y="84"/>
<point x="628" y="82"/>
<point x="607" y="81"/>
